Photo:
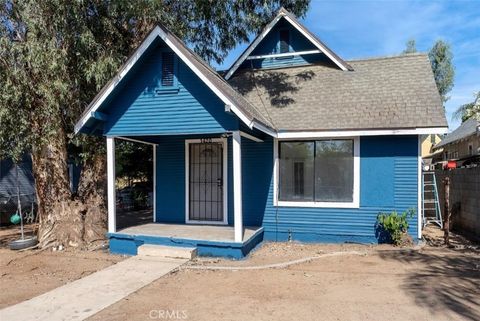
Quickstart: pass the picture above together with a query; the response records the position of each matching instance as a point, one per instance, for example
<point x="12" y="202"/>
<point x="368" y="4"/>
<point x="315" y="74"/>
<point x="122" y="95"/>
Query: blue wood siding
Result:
<point x="170" y="179"/>
<point x="140" y="106"/>
<point x="257" y="167"/>
<point x="388" y="170"/>
<point x="270" y="45"/>
<point x="388" y="181"/>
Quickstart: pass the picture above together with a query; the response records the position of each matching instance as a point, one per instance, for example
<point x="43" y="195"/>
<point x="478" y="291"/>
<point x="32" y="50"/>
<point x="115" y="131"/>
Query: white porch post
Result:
<point x="112" y="217"/>
<point x="154" y="147"/>
<point x="237" y="186"/>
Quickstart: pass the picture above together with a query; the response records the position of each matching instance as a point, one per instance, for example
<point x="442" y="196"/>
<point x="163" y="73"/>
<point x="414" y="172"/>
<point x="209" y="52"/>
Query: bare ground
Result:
<point x="24" y="275"/>
<point x="374" y="283"/>
<point x="385" y="283"/>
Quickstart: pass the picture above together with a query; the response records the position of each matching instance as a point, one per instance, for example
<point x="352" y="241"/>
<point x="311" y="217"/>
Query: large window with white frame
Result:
<point x="318" y="172"/>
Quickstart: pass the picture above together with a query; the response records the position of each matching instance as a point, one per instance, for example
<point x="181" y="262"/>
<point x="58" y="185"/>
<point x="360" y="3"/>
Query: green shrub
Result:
<point x="394" y="224"/>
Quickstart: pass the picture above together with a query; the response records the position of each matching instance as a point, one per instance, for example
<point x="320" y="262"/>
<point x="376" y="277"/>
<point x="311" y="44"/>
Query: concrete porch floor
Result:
<point x="213" y="233"/>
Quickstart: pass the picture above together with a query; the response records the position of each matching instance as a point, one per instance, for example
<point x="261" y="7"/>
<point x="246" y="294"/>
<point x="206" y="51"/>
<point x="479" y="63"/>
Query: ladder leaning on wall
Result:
<point x="430" y="204"/>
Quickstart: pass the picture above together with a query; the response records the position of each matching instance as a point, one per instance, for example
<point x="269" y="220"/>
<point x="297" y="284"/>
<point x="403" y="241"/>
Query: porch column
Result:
<point x="112" y="217"/>
<point x="237" y="186"/>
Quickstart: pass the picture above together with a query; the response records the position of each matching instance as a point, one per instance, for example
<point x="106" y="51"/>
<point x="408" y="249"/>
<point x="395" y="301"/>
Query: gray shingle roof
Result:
<point x="381" y="93"/>
<point x="466" y="129"/>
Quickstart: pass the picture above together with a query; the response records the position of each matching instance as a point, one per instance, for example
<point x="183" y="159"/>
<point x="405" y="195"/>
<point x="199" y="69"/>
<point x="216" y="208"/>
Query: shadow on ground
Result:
<point x="134" y="217"/>
<point x="443" y="279"/>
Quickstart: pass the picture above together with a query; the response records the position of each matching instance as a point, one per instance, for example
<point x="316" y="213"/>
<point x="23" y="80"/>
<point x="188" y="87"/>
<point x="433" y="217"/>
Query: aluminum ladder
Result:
<point x="431" y="212"/>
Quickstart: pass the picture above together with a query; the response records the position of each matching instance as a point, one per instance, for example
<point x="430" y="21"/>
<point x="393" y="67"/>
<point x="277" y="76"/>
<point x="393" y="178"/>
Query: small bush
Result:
<point x="395" y="225"/>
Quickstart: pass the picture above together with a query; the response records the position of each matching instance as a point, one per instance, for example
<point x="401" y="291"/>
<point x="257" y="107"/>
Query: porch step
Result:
<point x="167" y="251"/>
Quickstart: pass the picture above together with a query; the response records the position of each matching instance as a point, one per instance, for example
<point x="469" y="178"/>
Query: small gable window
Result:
<point x="168" y="64"/>
<point x="284" y="43"/>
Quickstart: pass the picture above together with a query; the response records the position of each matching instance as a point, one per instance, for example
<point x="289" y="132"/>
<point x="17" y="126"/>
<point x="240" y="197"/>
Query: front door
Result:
<point x="205" y="181"/>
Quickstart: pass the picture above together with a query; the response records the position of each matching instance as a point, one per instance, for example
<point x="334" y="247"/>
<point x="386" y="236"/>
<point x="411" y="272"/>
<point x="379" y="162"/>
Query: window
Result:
<point x="296" y="171"/>
<point x="432" y="139"/>
<point x="470" y="149"/>
<point x="320" y="171"/>
<point x="284" y="45"/>
<point x="168" y="69"/>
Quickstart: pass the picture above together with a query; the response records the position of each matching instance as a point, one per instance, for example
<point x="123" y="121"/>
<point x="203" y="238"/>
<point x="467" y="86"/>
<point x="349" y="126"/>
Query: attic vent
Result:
<point x="284" y="41"/>
<point x="167" y="68"/>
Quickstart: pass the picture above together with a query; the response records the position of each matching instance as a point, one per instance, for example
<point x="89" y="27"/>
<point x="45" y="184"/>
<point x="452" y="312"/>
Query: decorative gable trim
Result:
<point x="282" y="13"/>
<point x="175" y="44"/>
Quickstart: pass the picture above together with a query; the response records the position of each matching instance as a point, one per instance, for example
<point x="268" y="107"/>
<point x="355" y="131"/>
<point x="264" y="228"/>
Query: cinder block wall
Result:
<point x="464" y="198"/>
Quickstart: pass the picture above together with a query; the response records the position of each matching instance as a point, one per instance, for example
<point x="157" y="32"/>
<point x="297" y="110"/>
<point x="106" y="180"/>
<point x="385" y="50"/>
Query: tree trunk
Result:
<point x="92" y="193"/>
<point x="65" y="219"/>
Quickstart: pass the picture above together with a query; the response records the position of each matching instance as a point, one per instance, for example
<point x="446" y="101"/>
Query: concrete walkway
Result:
<point x="83" y="298"/>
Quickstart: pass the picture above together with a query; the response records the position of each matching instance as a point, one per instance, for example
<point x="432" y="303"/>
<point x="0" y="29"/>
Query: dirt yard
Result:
<point x="359" y="283"/>
<point x="376" y="283"/>
<point x="24" y="275"/>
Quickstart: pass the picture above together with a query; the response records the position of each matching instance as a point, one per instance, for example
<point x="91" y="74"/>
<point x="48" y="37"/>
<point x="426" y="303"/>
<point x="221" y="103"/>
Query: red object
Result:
<point x="451" y="164"/>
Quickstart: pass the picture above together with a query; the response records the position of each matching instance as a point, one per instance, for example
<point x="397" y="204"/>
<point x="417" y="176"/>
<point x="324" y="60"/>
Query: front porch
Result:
<point x="209" y="240"/>
<point x="197" y="196"/>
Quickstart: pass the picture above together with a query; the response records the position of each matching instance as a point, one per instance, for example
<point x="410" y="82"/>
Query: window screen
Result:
<point x="284" y="41"/>
<point x="320" y="171"/>
<point x="167" y="68"/>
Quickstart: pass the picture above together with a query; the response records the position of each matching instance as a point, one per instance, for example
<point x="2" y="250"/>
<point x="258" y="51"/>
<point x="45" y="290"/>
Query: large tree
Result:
<point x="54" y="57"/>
<point x="441" y="57"/>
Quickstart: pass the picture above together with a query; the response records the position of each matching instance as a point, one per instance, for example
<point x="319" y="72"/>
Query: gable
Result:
<point x="265" y="51"/>
<point x="284" y="46"/>
<point x="153" y="101"/>
<point x="93" y="119"/>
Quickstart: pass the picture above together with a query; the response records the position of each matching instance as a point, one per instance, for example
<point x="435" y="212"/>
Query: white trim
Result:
<point x="217" y="91"/>
<point x="285" y="54"/>
<point x="264" y="129"/>
<point x="267" y="30"/>
<point x="158" y="32"/>
<point x="251" y="137"/>
<point x="419" y="191"/>
<point x="356" y="182"/>
<point x="366" y="132"/>
<point x="316" y="43"/>
<point x="111" y="193"/>
<point x="154" y="183"/>
<point x="318" y="204"/>
<point x="237" y="185"/>
<point x="275" y="172"/>
<point x="134" y="140"/>
<point x="126" y="68"/>
<point x="225" y="181"/>
<point x="247" y="52"/>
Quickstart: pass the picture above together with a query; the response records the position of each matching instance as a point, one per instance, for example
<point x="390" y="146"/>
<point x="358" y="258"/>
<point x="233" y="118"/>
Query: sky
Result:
<point x="365" y="28"/>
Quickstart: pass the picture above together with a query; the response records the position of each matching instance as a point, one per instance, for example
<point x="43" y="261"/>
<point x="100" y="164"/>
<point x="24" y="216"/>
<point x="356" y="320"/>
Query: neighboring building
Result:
<point x="292" y="143"/>
<point x="8" y="187"/>
<point x="463" y="144"/>
<point x="430" y="156"/>
<point x="428" y="141"/>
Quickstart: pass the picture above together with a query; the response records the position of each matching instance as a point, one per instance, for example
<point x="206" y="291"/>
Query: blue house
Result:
<point x="291" y="143"/>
